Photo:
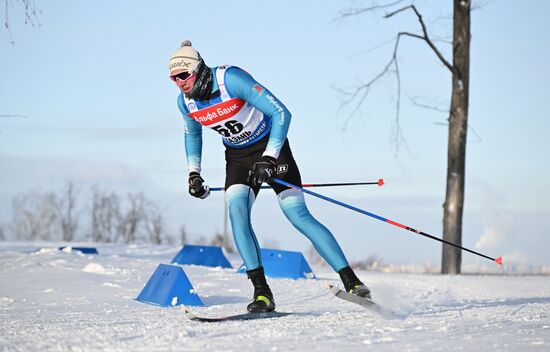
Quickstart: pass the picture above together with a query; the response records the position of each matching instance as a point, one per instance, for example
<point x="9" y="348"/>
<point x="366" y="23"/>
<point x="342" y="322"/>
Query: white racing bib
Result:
<point x="238" y="122"/>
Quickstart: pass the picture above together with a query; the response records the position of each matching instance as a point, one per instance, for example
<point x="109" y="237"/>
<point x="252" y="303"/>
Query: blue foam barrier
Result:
<point x="202" y="255"/>
<point x="85" y="250"/>
<point x="284" y="264"/>
<point x="169" y="286"/>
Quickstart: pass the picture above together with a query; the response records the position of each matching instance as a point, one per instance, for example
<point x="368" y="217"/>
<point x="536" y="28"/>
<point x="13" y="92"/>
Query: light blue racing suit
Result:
<point x="244" y="113"/>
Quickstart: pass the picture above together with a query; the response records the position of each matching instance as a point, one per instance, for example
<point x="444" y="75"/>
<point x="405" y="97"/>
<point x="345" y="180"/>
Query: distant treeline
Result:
<point x="101" y="216"/>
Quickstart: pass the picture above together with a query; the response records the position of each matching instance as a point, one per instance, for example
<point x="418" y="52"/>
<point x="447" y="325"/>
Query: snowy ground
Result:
<point x="52" y="300"/>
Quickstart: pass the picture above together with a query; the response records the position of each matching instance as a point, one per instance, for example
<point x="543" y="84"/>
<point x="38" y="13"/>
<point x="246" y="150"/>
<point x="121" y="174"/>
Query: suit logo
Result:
<point x="259" y="89"/>
<point x="281" y="169"/>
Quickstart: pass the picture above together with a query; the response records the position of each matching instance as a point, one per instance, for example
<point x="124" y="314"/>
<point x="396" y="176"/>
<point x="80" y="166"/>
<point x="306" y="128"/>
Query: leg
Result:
<point x="240" y="198"/>
<point x="294" y="207"/>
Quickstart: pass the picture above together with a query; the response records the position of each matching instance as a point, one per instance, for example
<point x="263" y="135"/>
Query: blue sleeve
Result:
<point x="242" y="85"/>
<point x="193" y="138"/>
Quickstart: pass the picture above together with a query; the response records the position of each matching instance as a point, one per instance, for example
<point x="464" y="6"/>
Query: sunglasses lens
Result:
<point x="182" y="76"/>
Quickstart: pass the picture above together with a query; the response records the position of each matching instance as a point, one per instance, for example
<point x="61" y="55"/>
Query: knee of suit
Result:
<point x="294" y="207"/>
<point x="298" y="215"/>
<point x="240" y="199"/>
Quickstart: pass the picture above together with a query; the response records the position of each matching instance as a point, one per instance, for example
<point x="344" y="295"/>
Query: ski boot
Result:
<point x="352" y="284"/>
<point x="263" y="298"/>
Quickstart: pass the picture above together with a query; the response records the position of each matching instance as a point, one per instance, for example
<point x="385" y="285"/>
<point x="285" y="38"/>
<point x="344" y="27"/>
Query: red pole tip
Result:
<point x="499" y="260"/>
<point x="380" y="182"/>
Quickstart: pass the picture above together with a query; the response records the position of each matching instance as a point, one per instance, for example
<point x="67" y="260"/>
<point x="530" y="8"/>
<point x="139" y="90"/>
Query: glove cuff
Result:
<point x="269" y="159"/>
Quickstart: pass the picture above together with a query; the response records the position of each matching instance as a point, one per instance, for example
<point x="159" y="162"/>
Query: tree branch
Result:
<point x="425" y="37"/>
<point x="355" y="11"/>
<point x="32" y="16"/>
<point x="415" y="102"/>
<point x="361" y="92"/>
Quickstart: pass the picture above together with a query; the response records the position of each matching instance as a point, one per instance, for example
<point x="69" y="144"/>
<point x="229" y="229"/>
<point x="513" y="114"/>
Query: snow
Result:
<point x="52" y="300"/>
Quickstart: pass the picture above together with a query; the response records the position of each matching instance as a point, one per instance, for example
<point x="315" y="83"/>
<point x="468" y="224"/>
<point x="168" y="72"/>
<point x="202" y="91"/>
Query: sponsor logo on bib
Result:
<point x="218" y="112"/>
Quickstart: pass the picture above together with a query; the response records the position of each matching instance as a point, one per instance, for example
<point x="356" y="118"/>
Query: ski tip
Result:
<point x="499" y="260"/>
<point x="333" y="289"/>
<point x="187" y="312"/>
<point x="380" y="182"/>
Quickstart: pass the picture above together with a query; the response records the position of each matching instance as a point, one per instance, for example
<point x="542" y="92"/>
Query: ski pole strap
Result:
<point x="378" y="217"/>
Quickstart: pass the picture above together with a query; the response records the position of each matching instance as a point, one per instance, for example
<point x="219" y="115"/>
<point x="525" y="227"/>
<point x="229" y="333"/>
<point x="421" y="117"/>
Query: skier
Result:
<point x="253" y="124"/>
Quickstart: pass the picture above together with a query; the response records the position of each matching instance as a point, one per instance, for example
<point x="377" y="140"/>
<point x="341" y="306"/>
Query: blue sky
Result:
<point x="92" y="81"/>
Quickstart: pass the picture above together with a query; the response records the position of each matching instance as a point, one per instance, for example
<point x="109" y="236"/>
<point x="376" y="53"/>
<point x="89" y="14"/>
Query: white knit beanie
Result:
<point x="185" y="58"/>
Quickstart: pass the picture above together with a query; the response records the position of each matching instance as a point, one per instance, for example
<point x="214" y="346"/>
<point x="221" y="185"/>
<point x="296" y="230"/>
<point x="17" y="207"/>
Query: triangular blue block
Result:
<point x="202" y="255"/>
<point x="85" y="250"/>
<point x="287" y="264"/>
<point x="169" y="286"/>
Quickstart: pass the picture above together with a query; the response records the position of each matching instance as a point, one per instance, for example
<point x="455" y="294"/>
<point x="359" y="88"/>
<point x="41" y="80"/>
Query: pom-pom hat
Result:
<point x="185" y="58"/>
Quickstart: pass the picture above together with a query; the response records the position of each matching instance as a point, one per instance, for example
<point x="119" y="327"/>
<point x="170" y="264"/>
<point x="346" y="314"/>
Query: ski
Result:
<point x="362" y="301"/>
<point x="246" y="316"/>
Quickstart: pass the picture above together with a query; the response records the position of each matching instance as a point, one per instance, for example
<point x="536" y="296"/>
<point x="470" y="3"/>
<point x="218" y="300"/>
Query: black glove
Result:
<point x="196" y="187"/>
<point x="262" y="171"/>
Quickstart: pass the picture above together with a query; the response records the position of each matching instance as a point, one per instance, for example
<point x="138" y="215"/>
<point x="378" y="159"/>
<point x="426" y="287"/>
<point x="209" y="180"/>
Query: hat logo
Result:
<point x="180" y="64"/>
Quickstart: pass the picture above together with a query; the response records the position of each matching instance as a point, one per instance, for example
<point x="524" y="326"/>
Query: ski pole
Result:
<point x="380" y="183"/>
<point x="378" y="217"/>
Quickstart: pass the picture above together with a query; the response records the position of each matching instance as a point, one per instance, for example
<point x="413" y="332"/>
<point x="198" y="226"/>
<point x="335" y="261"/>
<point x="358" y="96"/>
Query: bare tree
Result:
<point x="218" y="240"/>
<point x="33" y="216"/>
<point x="105" y="215"/>
<point x="154" y="224"/>
<point x="458" y="126"/>
<point x="2" y="233"/>
<point x="128" y="225"/>
<point x="47" y="216"/>
<point x="458" y="114"/>
<point x="31" y="14"/>
<point x="138" y="218"/>
<point x="65" y="207"/>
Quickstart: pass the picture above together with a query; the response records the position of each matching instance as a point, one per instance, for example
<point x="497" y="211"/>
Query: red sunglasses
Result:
<point x="182" y="76"/>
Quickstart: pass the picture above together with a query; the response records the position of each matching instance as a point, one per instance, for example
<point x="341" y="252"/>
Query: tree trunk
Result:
<point x="458" y="127"/>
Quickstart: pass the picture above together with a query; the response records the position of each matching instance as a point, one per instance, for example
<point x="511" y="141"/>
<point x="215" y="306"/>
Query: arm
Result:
<point x="193" y="139"/>
<point x="244" y="86"/>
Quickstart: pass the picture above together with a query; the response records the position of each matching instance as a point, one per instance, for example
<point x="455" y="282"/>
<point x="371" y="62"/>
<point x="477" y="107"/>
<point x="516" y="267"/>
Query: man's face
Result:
<point x="184" y="80"/>
<point x="188" y="84"/>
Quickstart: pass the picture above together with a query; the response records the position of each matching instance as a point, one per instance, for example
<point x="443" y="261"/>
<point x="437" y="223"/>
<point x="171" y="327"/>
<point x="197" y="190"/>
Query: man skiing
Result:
<point x="253" y="124"/>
